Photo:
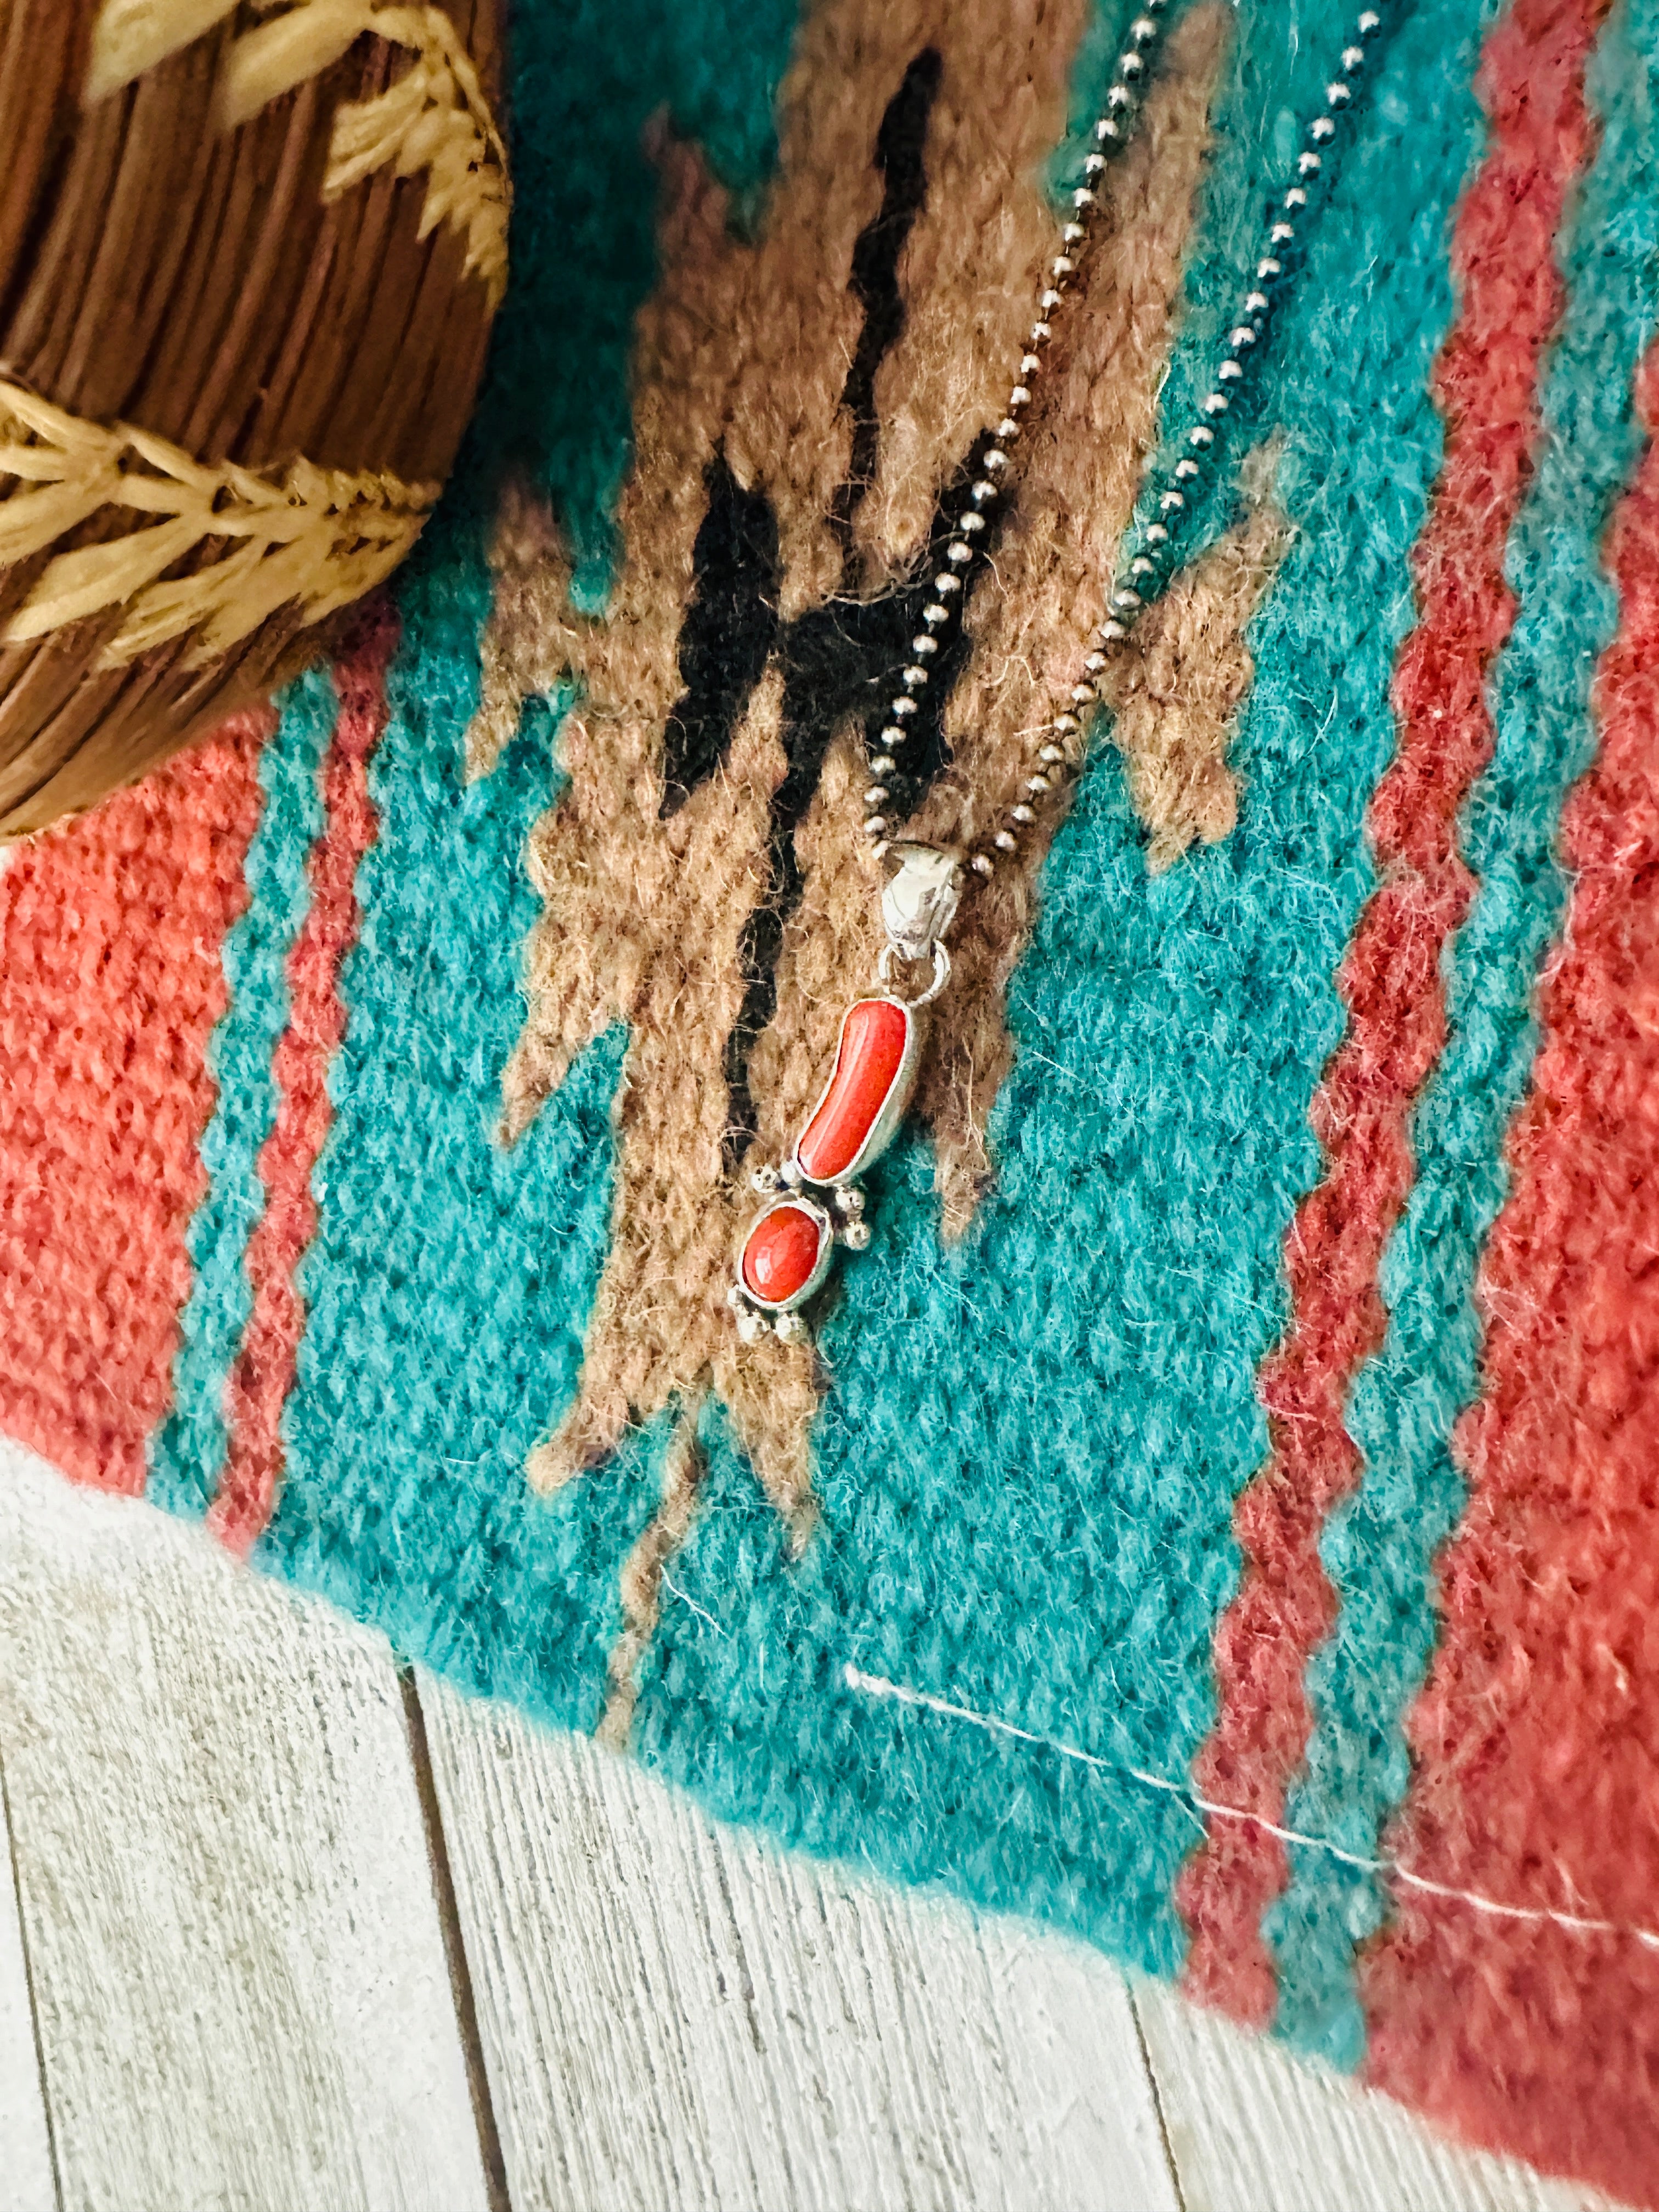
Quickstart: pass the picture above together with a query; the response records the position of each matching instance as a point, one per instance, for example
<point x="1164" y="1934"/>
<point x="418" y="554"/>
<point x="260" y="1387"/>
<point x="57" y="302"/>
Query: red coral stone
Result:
<point x="780" y="1253"/>
<point x="866" y="1067"/>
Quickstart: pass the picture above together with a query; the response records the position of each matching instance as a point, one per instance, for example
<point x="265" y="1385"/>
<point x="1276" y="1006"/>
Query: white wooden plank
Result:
<point x="673" y="2014"/>
<point x="1253" y="2130"/>
<point x="24" y="2144"/>
<point x="238" y="1975"/>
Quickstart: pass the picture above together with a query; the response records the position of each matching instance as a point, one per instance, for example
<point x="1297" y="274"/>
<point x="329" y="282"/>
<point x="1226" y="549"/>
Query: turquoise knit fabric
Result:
<point x="1379" y="1546"/>
<point x="1032" y="1440"/>
<point x="188" y="1449"/>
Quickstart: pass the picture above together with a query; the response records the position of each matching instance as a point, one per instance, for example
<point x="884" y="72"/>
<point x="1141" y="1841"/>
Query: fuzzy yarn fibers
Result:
<point x="1218" y="1515"/>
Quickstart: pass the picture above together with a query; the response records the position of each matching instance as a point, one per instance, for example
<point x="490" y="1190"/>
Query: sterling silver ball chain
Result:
<point x="1147" y="572"/>
<point x="813" y="1202"/>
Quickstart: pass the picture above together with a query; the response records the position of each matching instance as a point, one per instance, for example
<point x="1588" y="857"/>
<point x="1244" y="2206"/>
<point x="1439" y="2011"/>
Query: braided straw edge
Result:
<point x="435" y="118"/>
<point x="315" y="537"/>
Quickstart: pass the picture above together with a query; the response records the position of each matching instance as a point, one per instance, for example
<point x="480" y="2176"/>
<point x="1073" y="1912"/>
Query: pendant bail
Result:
<point x="920" y="901"/>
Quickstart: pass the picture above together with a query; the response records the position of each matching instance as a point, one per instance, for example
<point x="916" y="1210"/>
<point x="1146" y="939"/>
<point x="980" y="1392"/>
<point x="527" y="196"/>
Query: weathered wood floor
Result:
<point x="280" y="1932"/>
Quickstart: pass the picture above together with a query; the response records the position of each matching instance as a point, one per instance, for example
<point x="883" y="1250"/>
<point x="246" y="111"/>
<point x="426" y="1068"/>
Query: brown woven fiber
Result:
<point x="249" y="253"/>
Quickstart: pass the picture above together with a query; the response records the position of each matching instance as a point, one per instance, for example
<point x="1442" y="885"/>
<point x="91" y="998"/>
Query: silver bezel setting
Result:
<point x="801" y="1203"/>
<point x="885" y="1127"/>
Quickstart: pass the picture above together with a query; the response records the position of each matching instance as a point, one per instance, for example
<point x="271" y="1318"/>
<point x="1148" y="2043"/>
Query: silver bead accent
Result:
<point x="982" y="863"/>
<point x="1200" y="434"/>
<point x="1094" y="164"/>
<point x="1308" y="165"/>
<point x="1119" y="96"/>
<point x="1155" y="533"/>
<point x="1069" y="723"/>
<point x="1370" y="21"/>
<point x="981" y="491"/>
<point x="1041" y="334"/>
<point x="1028" y="364"/>
<point x="790" y="1174"/>
<point x="1094" y="662"/>
<point x="734" y="1298"/>
<point x="751" y="1327"/>
<point x="1295" y="198"/>
<point x="883" y="764"/>
<point x="1083" y="694"/>
<point x="892" y="735"/>
<point x="934" y="615"/>
<point x="790" y="1328"/>
<point x="1186" y="469"/>
<point x="849" y="1200"/>
<point x="1126" y="597"/>
<point x="1113" y="633"/>
<point x="1071" y="234"/>
<point x="876" y="796"/>
<point x="766" y="1181"/>
<point x="1353" y="58"/>
<point x="1243" y="336"/>
<point x="924" y="646"/>
<point x="1321" y="129"/>
<point x="994" y="461"/>
<point x="1006" y="841"/>
<point x="944" y="583"/>
<point x="1338" y="95"/>
<point x="1143" y="28"/>
<point x="1130" y="65"/>
<point x="971" y="525"/>
<point x="1215" y="402"/>
<point x="913" y="679"/>
<point x="903" y="708"/>
<point x="1255" y="303"/>
<point x="1172" y="502"/>
<point x="1062" y="264"/>
<point x="1036" y="785"/>
<point x="1022" y="815"/>
<point x="1048" y="300"/>
<point x="1140" y="566"/>
<point x="1083" y="197"/>
<point x="1054" y="755"/>
<point x="1107" y="132"/>
<point x="1268" y="267"/>
<point x="876" y="826"/>
<point x="1018" y="398"/>
<point x="856" y="1237"/>
<point x="1230" y="372"/>
<point x="1006" y="431"/>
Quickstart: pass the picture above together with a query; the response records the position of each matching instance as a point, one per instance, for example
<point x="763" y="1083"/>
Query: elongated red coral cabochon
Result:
<point x="868" y="1063"/>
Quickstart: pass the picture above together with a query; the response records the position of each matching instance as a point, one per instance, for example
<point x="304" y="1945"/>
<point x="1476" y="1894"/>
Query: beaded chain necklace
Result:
<point x="813" y="1200"/>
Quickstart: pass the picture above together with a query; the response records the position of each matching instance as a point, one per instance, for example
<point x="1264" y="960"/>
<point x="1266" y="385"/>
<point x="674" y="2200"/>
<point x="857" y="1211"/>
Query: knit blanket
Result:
<point x="1218" y="1512"/>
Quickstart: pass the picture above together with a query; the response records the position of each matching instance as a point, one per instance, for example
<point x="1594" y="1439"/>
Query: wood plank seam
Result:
<point x="1156" y="2088"/>
<point x="28" y="1984"/>
<point x="461" y="1971"/>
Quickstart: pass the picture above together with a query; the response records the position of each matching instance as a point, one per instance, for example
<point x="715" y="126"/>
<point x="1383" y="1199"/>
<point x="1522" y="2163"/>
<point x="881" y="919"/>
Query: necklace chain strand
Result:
<point x="1148" y="572"/>
<point x="813" y="1200"/>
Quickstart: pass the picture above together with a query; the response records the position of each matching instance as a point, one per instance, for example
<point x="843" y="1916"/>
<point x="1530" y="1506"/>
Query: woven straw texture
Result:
<point x="249" y="252"/>
<point x="1219" y="1516"/>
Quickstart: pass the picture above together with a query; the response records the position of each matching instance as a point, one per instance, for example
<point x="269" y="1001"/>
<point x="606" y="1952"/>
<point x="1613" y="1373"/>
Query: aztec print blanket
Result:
<point x="1220" y="1514"/>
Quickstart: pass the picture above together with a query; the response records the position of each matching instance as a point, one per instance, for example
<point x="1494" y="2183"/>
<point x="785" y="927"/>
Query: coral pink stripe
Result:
<point x="263" y="1373"/>
<point x="1537" y="1736"/>
<point x="1531" y="83"/>
<point x="110" y="985"/>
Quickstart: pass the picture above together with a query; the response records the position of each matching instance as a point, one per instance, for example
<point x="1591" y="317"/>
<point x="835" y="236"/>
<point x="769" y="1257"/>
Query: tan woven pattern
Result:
<point x="309" y="537"/>
<point x="434" y="120"/>
<point x="744" y="350"/>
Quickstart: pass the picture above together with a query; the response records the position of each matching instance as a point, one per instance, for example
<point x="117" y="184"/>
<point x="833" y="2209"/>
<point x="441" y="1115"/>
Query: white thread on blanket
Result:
<point x="877" y="1685"/>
